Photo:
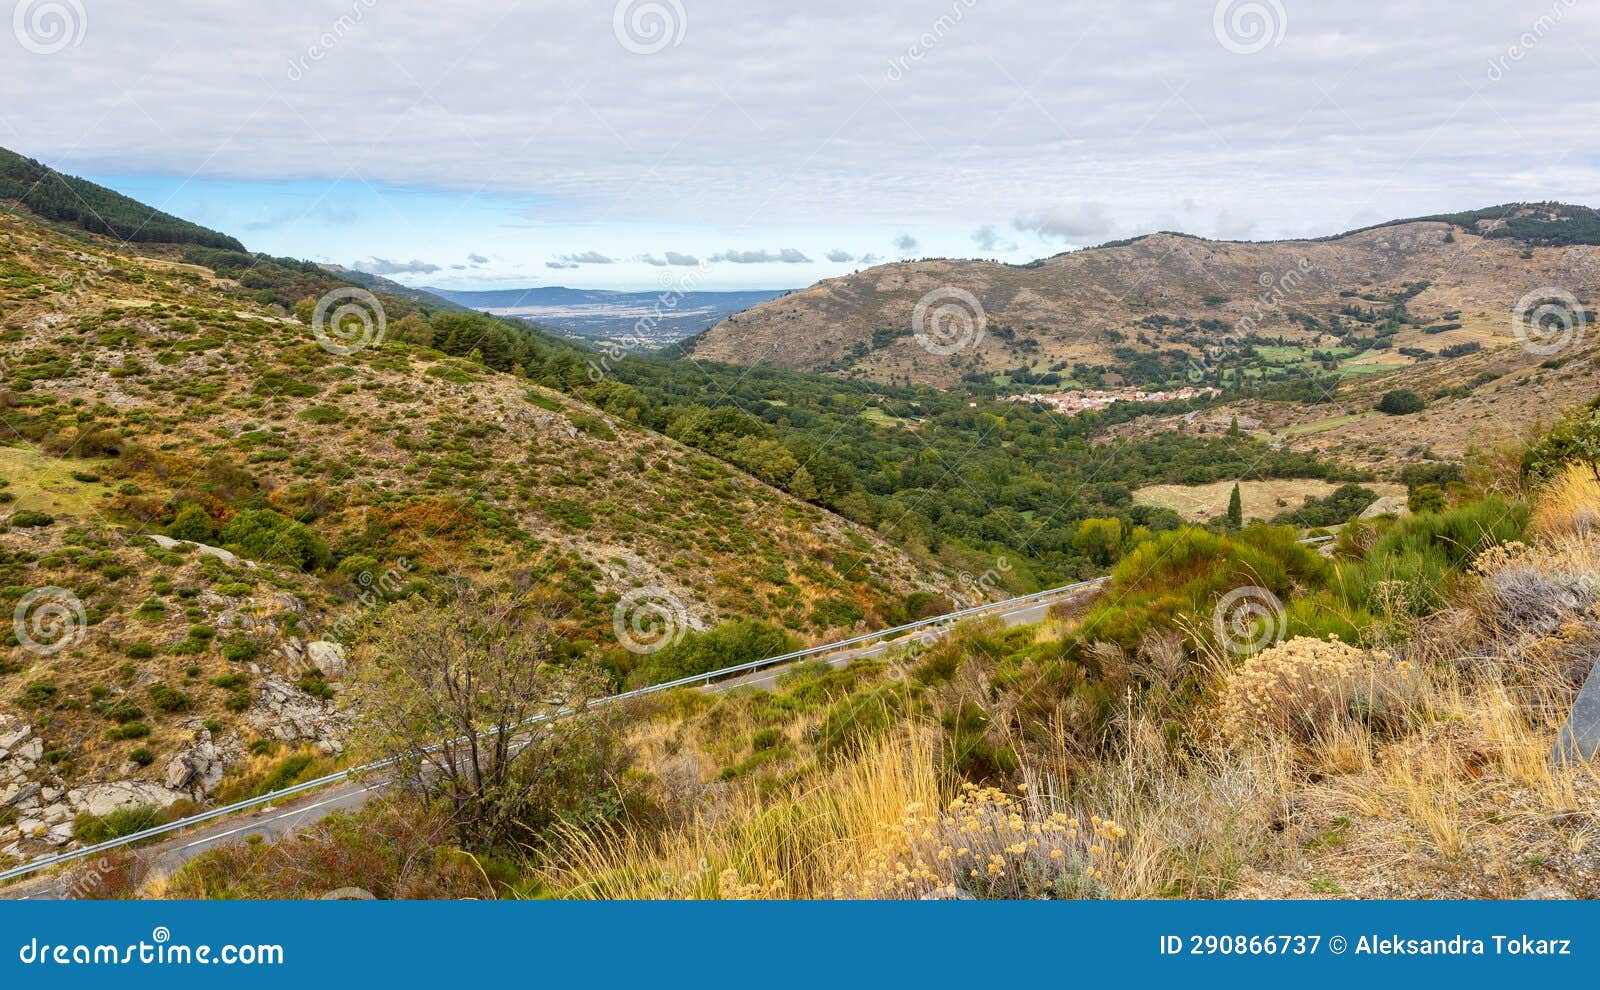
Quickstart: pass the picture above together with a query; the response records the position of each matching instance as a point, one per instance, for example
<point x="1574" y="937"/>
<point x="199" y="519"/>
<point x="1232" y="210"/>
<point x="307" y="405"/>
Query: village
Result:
<point x="1078" y="401"/>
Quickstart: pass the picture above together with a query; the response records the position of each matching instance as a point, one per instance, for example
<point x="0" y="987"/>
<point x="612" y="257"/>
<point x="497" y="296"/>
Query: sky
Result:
<point x="763" y="144"/>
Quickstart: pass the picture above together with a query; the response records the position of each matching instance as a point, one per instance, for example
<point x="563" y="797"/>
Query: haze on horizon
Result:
<point x="631" y="144"/>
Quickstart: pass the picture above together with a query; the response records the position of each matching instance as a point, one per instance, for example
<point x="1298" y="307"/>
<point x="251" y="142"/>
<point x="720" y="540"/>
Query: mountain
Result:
<point x="54" y="196"/>
<point x="632" y="320"/>
<point x="1170" y="307"/>
<point x="298" y="475"/>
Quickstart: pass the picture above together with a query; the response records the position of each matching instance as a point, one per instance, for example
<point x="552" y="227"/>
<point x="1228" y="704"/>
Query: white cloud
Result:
<point x="1022" y="110"/>
<point x="787" y="256"/>
<point x="383" y="266"/>
<point x="1080" y="223"/>
<point x="586" y="258"/>
<point x="905" y="243"/>
<point x="672" y="258"/>
<point x="838" y="256"/>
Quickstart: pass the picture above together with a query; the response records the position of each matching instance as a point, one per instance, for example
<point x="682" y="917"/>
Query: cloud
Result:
<point x="905" y="243"/>
<point x="674" y="258"/>
<point x="1364" y="117"/>
<point x="561" y="264"/>
<point x="787" y="256"/>
<point x="837" y="256"/>
<point x="332" y="216"/>
<point x="989" y="240"/>
<point x="586" y="258"/>
<point x="868" y="259"/>
<point x="1081" y="223"/>
<point x="383" y="266"/>
<point x="477" y="259"/>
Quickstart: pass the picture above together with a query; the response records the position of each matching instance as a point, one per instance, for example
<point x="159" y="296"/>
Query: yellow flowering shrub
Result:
<point x="1297" y="689"/>
<point x="990" y="844"/>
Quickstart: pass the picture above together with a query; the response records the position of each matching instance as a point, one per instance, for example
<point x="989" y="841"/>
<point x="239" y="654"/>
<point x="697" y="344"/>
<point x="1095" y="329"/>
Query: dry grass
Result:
<point x="1425" y="776"/>
<point x="1259" y="499"/>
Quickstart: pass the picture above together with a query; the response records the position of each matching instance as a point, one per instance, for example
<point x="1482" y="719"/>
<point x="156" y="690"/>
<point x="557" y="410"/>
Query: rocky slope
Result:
<point x="1165" y="292"/>
<point x="142" y="396"/>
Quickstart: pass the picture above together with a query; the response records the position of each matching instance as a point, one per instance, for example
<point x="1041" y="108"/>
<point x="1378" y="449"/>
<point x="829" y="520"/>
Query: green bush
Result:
<point x="193" y="524"/>
<point x="1401" y="402"/>
<point x="267" y="536"/>
<point x="168" y="699"/>
<point x="31" y="518"/>
<point x="1412" y="567"/>
<point x="730" y="644"/>
<point x="1574" y="440"/>
<point x="90" y="829"/>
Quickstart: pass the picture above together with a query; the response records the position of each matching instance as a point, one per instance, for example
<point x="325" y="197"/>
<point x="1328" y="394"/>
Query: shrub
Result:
<point x="192" y="523"/>
<point x="168" y="699"/>
<point x="264" y="535"/>
<point x="90" y="829"/>
<point x="1296" y="690"/>
<point x="31" y="518"/>
<point x="142" y="756"/>
<point x="1574" y="440"/>
<point x="139" y="651"/>
<point x="731" y="643"/>
<point x="1401" y="402"/>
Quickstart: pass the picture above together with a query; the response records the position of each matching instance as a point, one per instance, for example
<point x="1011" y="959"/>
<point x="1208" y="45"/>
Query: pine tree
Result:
<point x="1235" y="508"/>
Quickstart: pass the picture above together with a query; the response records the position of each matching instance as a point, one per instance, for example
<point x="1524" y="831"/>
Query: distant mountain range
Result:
<point x="1168" y="307"/>
<point x="635" y="320"/>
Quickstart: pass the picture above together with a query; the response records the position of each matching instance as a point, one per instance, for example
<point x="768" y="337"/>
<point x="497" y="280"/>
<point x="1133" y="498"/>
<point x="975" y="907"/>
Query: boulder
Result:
<point x="103" y="799"/>
<point x="232" y="560"/>
<point x="329" y="658"/>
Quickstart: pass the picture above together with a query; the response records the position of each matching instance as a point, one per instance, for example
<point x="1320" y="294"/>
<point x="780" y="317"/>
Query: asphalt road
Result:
<point x="276" y="821"/>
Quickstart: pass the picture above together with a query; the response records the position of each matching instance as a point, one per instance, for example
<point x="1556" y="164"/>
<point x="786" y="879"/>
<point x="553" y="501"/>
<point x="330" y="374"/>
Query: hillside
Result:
<point x="54" y="196"/>
<point x="299" y="472"/>
<point x="1173" y="308"/>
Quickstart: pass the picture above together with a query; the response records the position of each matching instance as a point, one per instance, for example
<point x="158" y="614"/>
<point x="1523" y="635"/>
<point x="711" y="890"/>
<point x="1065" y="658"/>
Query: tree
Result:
<point x="1401" y="402"/>
<point x="1235" y="508"/>
<point x="468" y="698"/>
<point x="1574" y="440"/>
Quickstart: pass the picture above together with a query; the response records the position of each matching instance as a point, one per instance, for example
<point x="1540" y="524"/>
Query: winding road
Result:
<point x="276" y="820"/>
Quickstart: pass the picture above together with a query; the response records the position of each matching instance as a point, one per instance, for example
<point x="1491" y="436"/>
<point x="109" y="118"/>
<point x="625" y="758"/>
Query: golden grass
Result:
<point x="1431" y="777"/>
